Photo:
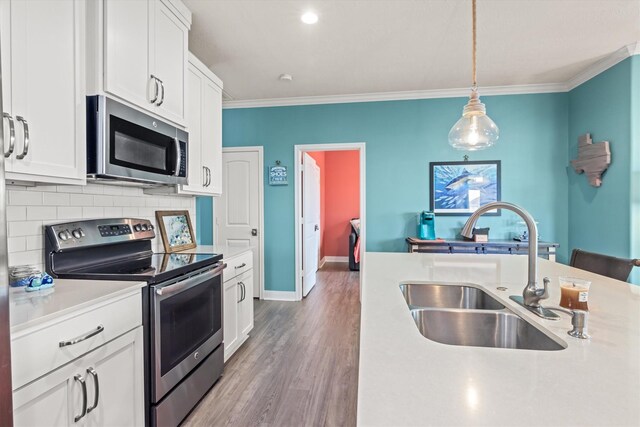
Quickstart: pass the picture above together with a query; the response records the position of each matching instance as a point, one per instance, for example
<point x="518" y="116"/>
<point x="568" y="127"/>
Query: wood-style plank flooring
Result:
<point x="300" y="365"/>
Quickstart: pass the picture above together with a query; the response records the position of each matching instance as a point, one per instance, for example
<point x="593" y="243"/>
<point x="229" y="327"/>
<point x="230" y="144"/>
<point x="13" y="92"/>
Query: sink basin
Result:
<point x="499" y="329"/>
<point x="432" y="295"/>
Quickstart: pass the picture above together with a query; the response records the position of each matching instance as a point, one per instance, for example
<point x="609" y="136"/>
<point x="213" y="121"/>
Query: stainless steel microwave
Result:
<point x="128" y="145"/>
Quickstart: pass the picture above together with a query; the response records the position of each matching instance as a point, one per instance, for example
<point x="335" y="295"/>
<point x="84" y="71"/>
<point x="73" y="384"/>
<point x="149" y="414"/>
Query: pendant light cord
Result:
<point x="473" y="13"/>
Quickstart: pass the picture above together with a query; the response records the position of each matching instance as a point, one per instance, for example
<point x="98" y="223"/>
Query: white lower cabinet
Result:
<point x="238" y="302"/>
<point x="83" y="369"/>
<point x="101" y="388"/>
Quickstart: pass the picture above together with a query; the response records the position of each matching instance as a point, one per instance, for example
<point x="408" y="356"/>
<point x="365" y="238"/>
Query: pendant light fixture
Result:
<point x="475" y="130"/>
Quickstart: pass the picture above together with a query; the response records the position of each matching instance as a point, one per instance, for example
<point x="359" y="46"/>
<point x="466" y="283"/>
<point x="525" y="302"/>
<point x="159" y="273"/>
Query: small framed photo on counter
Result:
<point x="176" y="230"/>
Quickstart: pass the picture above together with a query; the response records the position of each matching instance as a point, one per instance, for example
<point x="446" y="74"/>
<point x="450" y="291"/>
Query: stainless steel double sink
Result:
<point x="464" y="314"/>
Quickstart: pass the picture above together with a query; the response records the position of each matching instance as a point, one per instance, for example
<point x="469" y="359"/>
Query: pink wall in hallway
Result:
<point x="342" y="199"/>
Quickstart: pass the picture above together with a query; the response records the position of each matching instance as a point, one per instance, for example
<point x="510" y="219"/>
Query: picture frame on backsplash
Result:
<point x="176" y="230"/>
<point x="460" y="188"/>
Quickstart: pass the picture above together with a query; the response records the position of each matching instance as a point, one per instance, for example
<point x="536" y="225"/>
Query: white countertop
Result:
<point x="406" y="379"/>
<point x="28" y="309"/>
<point x="226" y="251"/>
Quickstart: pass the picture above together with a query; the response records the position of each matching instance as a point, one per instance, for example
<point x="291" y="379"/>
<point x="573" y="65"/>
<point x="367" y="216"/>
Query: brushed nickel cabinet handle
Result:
<point x="244" y="264"/>
<point x="162" y="96"/>
<point x="204" y="176"/>
<point x="81" y="338"/>
<point x="12" y="134"/>
<point x="156" y="89"/>
<point x="25" y="126"/>
<point x="79" y="379"/>
<point x="96" y="386"/>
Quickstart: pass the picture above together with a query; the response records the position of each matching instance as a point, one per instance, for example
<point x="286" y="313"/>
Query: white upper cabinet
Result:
<point x="43" y="83"/>
<point x="144" y="54"/>
<point x="204" y="124"/>
<point x="126" y="62"/>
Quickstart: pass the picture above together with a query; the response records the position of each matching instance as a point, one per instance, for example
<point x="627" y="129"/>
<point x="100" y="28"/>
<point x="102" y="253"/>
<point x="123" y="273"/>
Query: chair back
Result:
<point x="605" y="265"/>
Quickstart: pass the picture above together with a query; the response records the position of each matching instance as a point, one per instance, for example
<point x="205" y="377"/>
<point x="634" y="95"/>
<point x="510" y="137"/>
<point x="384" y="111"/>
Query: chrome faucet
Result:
<point x="531" y="295"/>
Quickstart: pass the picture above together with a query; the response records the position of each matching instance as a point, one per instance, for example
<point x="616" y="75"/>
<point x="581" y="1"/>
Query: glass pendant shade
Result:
<point x="475" y="130"/>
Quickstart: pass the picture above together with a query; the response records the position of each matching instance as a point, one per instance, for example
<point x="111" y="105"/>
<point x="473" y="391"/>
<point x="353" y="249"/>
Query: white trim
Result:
<point x="394" y="96"/>
<point x="297" y="155"/>
<point x="603" y="65"/>
<point x="336" y="259"/>
<point x="322" y="263"/>
<point x="584" y="75"/>
<point x="279" y="296"/>
<point x="260" y="151"/>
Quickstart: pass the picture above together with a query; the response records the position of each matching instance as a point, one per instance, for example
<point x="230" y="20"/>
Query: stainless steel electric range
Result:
<point x="182" y="304"/>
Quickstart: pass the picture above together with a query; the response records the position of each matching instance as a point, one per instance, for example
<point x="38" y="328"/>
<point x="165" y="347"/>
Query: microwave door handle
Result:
<point x="177" y="145"/>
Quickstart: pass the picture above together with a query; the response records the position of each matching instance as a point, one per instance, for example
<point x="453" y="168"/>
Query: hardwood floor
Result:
<point x="300" y="365"/>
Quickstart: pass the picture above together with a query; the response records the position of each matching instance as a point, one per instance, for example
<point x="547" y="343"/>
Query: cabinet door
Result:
<point x="195" y="81"/>
<point x="47" y="88"/>
<point x="119" y="369"/>
<point x="245" y="307"/>
<point x="126" y="51"/>
<point x="212" y="135"/>
<point x="230" y="327"/>
<point x="47" y="402"/>
<point x="168" y="59"/>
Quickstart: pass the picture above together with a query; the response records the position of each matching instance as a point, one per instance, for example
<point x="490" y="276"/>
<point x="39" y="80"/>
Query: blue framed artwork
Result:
<point x="460" y="188"/>
<point x="277" y="175"/>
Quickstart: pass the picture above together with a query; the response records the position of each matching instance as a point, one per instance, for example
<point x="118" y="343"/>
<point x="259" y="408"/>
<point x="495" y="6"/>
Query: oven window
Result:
<point x="187" y="320"/>
<point x="136" y="147"/>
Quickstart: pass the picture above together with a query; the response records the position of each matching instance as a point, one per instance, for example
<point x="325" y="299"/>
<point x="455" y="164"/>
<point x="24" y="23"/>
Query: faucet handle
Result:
<point x="545" y="288"/>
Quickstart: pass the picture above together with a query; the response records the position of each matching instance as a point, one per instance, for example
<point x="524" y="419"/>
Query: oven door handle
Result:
<point x="180" y="286"/>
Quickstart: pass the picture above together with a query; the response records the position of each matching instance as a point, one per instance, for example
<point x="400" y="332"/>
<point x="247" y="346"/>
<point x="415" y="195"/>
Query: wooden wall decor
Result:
<point x="593" y="159"/>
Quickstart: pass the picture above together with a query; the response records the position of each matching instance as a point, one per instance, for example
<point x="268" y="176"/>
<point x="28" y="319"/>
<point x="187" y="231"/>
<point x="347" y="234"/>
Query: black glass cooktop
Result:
<point x="152" y="268"/>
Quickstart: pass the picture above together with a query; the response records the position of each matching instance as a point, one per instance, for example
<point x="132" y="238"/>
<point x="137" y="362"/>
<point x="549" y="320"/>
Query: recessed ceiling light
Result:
<point x="286" y="77"/>
<point x="309" y="18"/>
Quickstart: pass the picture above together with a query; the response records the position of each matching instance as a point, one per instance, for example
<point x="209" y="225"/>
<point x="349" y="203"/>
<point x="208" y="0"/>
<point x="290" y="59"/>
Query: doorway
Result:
<point x="239" y="212"/>
<point x="340" y="235"/>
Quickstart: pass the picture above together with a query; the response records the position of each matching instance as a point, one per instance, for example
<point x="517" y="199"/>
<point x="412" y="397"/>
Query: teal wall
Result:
<point x="635" y="164"/>
<point x="204" y="220"/>
<point x="600" y="218"/>
<point x="401" y="138"/>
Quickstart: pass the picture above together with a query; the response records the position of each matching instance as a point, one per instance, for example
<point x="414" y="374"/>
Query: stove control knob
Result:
<point x="76" y="233"/>
<point x="81" y="231"/>
<point x="144" y="227"/>
<point x="63" y="235"/>
<point x="151" y="227"/>
<point x="137" y="227"/>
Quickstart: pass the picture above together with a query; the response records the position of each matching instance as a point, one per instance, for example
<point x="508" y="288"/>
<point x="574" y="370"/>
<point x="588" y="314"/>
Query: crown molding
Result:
<point x="585" y="75"/>
<point x="603" y="65"/>
<point x="393" y="96"/>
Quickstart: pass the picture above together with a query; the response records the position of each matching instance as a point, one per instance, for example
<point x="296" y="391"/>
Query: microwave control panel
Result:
<point x="182" y="171"/>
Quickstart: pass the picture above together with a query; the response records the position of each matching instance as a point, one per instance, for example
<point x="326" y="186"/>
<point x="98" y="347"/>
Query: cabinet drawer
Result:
<point x="238" y="265"/>
<point x="36" y="352"/>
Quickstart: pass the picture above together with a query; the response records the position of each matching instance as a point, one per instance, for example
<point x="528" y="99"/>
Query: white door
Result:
<point x="310" y="221"/>
<point x="238" y="208"/>
<point x="195" y="82"/>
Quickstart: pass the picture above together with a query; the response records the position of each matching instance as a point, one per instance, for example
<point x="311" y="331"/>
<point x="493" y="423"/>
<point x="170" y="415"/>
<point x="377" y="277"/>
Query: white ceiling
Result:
<point x="370" y="46"/>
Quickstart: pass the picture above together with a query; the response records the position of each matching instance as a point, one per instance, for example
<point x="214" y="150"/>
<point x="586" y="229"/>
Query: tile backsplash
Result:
<point x="29" y="209"/>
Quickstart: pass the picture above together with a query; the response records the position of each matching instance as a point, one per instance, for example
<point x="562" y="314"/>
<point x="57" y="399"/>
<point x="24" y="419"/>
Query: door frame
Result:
<point x="260" y="150"/>
<point x="298" y="150"/>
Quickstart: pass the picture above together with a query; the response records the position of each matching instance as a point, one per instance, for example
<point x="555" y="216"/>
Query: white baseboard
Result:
<point x="336" y="259"/>
<point x="279" y="295"/>
<point x="322" y="262"/>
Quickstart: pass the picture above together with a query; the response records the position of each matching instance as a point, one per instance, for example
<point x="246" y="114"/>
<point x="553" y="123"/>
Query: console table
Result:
<point x="546" y="250"/>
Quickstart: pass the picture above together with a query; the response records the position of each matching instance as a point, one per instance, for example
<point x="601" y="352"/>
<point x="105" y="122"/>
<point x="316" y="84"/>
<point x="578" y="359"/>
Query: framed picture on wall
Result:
<point x="176" y="230"/>
<point x="460" y="188"/>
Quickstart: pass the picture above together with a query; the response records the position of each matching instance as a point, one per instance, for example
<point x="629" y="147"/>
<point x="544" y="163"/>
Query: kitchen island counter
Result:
<point x="406" y="379"/>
